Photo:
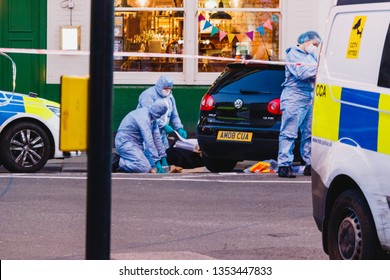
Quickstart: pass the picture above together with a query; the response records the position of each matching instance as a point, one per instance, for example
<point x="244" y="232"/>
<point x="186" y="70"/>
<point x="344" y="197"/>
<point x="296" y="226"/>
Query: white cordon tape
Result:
<point x="148" y="55"/>
<point x="7" y="100"/>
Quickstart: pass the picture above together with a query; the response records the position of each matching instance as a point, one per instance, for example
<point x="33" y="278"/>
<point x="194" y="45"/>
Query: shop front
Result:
<point x="190" y="40"/>
<point x="205" y="32"/>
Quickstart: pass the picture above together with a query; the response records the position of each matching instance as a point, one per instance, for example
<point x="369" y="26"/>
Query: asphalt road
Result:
<point x="175" y="216"/>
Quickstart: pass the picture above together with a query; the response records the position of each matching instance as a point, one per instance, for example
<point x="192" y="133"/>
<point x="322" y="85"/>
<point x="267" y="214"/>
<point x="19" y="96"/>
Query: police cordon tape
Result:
<point x="149" y="55"/>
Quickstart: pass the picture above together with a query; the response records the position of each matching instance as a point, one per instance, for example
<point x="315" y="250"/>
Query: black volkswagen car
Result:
<point x="240" y="116"/>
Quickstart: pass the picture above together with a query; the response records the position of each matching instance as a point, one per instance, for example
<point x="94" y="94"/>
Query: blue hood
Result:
<point x="163" y="82"/>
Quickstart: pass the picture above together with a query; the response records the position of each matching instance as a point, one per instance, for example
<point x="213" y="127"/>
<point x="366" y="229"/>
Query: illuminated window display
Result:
<point x="234" y="31"/>
<point x="225" y="29"/>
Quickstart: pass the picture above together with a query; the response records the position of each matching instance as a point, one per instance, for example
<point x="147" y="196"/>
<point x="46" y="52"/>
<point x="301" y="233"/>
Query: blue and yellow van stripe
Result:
<point x="384" y="124"/>
<point x="326" y="120"/>
<point x="353" y="117"/>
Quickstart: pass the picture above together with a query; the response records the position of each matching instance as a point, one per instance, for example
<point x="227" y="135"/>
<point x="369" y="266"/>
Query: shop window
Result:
<point x="228" y="32"/>
<point x="141" y="27"/>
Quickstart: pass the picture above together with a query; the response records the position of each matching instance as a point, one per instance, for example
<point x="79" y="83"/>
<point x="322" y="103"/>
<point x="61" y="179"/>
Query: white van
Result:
<point x="351" y="132"/>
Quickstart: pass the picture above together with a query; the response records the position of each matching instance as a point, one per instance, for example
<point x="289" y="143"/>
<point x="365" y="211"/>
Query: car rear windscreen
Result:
<point x="262" y="81"/>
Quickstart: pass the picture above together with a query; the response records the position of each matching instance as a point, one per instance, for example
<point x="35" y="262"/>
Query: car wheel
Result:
<point x="25" y="147"/>
<point x="351" y="232"/>
<point x="219" y="165"/>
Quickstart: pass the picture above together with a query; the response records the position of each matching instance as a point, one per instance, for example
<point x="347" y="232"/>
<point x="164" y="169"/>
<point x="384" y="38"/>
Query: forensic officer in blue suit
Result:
<point x="139" y="131"/>
<point x="170" y="121"/>
<point x="296" y="103"/>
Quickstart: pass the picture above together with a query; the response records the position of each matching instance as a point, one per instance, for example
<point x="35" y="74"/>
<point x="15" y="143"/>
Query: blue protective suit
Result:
<point x="154" y="93"/>
<point x="137" y="131"/>
<point x="296" y="105"/>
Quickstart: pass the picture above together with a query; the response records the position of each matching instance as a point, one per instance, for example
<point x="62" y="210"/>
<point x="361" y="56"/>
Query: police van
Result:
<point x="351" y="132"/>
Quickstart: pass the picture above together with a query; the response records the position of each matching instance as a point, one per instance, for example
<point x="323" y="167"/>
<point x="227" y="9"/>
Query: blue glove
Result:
<point x="159" y="168"/>
<point x="182" y="133"/>
<point x="168" y="129"/>
<point x="164" y="161"/>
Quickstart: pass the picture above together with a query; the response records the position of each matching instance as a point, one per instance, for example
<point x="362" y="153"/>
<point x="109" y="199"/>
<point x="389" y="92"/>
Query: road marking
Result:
<point x="149" y="178"/>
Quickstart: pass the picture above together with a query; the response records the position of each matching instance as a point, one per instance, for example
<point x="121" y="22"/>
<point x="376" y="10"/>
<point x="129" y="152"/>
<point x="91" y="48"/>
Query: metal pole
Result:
<point x="99" y="131"/>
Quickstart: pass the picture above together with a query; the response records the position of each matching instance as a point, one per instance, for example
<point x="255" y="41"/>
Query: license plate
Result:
<point x="237" y="136"/>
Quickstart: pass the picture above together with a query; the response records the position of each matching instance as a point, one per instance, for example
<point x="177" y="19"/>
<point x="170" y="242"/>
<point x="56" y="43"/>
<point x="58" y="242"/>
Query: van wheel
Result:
<point x="218" y="165"/>
<point x="351" y="231"/>
<point x="25" y="147"/>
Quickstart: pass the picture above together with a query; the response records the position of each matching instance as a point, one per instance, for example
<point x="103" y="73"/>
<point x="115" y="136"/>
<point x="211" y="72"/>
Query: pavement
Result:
<point x="72" y="164"/>
<point x="78" y="164"/>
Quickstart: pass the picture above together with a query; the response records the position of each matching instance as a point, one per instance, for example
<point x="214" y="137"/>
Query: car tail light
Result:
<point x="274" y="107"/>
<point x="207" y="103"/>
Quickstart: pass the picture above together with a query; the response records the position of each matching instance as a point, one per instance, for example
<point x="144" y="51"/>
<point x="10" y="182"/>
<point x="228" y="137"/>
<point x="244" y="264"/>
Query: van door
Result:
<point x="350" y="64"/>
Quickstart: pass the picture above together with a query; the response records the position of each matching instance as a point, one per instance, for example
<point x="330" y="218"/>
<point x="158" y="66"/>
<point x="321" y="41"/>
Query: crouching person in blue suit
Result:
<point x="138" y="132"/>
<point x="170" y="122"/>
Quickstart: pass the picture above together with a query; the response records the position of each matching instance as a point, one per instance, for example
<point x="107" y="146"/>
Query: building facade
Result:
<point x="190" y="37"/>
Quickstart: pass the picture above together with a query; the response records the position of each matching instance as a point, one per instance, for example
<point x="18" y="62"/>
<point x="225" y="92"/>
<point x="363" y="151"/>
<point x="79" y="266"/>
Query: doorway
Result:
<point x="23" y="25"/>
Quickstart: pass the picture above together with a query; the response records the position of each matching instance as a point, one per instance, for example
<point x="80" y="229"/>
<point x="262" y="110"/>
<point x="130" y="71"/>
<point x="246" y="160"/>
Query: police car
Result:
<point x="29" y="131"/>
<point x="351" y="132"/>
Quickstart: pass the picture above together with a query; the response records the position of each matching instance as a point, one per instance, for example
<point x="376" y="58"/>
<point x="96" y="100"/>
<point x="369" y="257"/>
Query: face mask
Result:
<point x="166" y="92"/>
<point x="310" y="48"/>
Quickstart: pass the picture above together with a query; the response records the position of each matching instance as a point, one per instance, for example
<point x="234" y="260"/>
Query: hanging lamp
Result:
<point x="220" y="14"/>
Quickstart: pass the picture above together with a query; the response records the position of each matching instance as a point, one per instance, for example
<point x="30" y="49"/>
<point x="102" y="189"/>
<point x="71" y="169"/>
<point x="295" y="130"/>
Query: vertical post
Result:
<point x="99" y="131"/>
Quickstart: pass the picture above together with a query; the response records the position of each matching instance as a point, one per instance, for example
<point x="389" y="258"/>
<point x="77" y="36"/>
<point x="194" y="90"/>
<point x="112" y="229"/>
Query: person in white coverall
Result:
<point x="139" y="131"/>
<point x="170" y="121"/>
<point x="296" y="103"/>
